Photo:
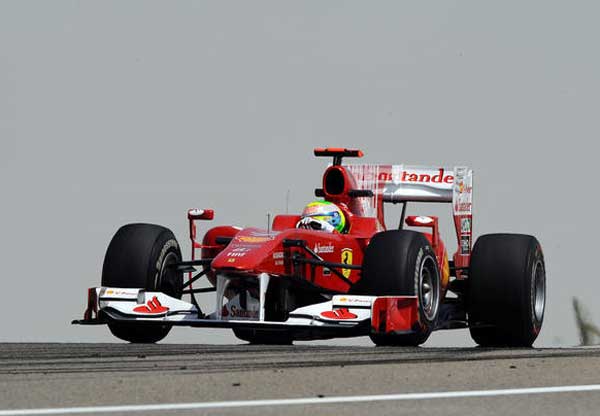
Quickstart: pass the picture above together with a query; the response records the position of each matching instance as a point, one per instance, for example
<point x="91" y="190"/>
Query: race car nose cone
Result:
<point x="250" y="250"/>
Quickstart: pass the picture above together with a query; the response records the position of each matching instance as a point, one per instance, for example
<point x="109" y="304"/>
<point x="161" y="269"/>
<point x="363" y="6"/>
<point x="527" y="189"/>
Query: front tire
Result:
<point x="507" y="290"/>
<point x="402" y="263"/>
<point x="139" y="256"/>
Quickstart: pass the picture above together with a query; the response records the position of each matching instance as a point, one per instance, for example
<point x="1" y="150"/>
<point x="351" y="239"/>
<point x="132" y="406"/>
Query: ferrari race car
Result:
<point x="286" y="282"/>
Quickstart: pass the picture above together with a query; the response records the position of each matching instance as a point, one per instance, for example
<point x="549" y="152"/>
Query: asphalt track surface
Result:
<point x="190" y="379"/>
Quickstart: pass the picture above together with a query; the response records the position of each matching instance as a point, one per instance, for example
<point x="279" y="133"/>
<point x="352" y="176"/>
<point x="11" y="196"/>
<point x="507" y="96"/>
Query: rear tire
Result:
<point x="507" y="290"/>
<point x="402" y="263"/>
<point x="138" y="257"/>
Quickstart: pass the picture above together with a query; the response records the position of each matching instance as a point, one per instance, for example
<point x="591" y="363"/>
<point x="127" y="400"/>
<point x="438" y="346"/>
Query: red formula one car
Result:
<point x="294" y="282"/>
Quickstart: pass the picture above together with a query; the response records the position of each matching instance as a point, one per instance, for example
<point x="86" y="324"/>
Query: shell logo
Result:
<point x="253" y="239"/>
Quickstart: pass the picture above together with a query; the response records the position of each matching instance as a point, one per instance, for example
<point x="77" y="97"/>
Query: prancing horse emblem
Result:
<point x="347" y="259"/>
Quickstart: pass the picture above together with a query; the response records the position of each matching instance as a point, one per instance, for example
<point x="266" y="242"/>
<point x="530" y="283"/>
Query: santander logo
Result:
<point x="439" y="176"/>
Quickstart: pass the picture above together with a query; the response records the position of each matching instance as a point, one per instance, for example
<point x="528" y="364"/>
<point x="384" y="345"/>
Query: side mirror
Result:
<point x="200" y="214"/>
<point x="197" y="214"/>
<point x="421" y="221"/>
<point x="426" y="221"/>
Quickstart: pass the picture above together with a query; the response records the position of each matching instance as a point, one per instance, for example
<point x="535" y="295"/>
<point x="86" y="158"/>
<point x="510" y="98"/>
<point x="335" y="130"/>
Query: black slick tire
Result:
<point x="138" y="257"/>
<point x="507" y="290"/>
<point x="396" y="263"/>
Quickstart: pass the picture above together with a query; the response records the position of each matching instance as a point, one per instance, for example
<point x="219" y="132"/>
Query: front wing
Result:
<point x="342" y="316"/>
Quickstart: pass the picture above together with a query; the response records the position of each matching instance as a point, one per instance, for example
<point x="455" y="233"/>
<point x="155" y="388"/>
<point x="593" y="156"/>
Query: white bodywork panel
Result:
<point x="140" y="305"/>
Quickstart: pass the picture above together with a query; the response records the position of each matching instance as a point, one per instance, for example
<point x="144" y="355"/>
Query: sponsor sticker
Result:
<point x="439" y="176"/>
<point x="253" y="239"/>
<point x="347" y="259"/>
<point x="465" y="244"/>
<point x="463" y="207"/>
<point x="238" y="252"/>
<point x="465" y="225"/>
<point x="352" y="301"/>
<point x="464" y="188"/>
<point x="323" y="248"/>
<point x="235" y="311"/>
<point x="118" y="292"/>
<point x="463" y="192"/>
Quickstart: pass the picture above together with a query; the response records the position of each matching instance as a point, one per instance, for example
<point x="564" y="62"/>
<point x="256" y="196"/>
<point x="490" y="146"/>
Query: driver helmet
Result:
<point x="326" y="212"/>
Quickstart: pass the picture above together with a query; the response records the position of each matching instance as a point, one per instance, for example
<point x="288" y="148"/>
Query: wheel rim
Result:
<point x="170" y="258"/>
<point x="539" y="291"/>
<point x="428" y="288"/>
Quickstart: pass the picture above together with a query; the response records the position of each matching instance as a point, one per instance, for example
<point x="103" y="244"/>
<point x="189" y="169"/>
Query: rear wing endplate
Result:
<point x="403" y="183"/>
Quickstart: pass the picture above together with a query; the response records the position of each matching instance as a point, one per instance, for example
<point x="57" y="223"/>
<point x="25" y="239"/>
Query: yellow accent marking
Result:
<point x="347" y="259"/>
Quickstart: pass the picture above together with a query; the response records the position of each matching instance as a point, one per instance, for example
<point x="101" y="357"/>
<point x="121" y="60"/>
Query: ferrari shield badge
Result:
<point x="346" y="259"/>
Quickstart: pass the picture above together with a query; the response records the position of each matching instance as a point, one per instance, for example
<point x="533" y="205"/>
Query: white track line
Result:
<point x="301" y="401"/>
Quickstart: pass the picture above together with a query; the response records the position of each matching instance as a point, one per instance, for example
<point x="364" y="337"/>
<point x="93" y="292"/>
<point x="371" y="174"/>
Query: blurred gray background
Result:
<point x="114" y="112"/>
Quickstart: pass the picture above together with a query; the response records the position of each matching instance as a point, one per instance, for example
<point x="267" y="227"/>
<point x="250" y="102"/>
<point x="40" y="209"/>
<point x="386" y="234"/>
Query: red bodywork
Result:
<point x="295" y="281"/>
<point x="253" y="251"/>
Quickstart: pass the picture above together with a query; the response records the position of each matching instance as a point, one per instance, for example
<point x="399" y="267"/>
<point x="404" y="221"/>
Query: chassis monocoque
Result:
<point x="284" y="283"/>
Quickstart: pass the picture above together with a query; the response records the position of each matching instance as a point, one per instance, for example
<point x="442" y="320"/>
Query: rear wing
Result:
<point x="403" y="183"/>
